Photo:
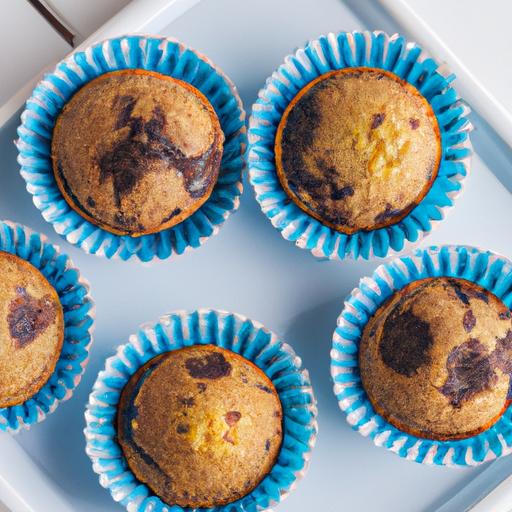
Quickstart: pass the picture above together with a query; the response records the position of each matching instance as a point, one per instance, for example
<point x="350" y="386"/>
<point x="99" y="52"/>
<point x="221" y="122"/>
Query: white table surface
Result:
<point x="477" y="32"/>
<point x="30" y="45"/>
<point x="474" y="41"/>
<point x="249" y="268"/>
<point x="83" y="18"/>
<point x="25" y="56"/>
<point x="478" y="36"/>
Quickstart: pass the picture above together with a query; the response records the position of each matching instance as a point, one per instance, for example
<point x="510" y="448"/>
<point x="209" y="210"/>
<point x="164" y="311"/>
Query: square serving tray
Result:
<point x="250" y="269"/>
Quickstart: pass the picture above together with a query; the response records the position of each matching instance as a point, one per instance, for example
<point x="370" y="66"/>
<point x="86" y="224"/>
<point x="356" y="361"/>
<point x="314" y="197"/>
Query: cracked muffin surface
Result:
<point x="436" y="359"/>
<point x="31" y="330"/>
<point x="201" y="426"/>
<point x="358" y="149"/>
<point x="137" y="152"/>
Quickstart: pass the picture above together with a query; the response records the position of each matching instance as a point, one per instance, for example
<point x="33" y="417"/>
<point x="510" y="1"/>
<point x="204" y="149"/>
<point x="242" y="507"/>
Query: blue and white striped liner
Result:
<point x="78" y="308"/>
<point x="487" y="269"/>
<point x="162" y="55"/>
<point x="343" y="50"/>
<point x="227" y="330"/>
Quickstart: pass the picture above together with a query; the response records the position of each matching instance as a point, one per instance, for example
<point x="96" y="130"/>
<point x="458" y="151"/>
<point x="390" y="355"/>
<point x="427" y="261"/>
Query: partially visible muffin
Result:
<point x="200" y="426"/>
<point x="436" y="359"/>
<point x="31" y="330"/>
<point x="136" y="152"/>
<point x="358" y="149"/>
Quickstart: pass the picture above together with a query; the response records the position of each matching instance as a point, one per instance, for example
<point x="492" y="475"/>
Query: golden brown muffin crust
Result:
<point x="31" y="330"/>
<point x="436" y="359"/>
<point x="358" y="149"/>
<point x="201" y="426"/>
<point x="137" y="152"/>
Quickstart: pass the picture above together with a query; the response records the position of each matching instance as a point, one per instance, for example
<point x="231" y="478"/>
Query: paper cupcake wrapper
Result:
<point x="488" y="270"/>
<point x="227" y="330"/>
<point x="73" y="291"/>
<point x="162" y="55"/>
<point x="343" y="50"/>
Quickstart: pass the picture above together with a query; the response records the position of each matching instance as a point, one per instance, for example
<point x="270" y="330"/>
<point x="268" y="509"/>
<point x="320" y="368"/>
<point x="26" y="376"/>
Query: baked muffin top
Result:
<point x="137" y="152"/>
<point x="201" y="426"/>
<point x="31" y="330"/>
<point x="357" y="149"/>
<point x="436" y="359"/>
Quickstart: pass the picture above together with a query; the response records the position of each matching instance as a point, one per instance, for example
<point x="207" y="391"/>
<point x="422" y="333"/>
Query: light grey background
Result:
<point x="249" y="268"/>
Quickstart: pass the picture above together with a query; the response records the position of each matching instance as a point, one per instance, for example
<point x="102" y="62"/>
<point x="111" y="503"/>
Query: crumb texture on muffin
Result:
<point x="31" y="330"/>
<point x="436" y="359"/>
<point x="358" y="148"/>
<point x="137" y="152"/>
<point x="201" y="426"/>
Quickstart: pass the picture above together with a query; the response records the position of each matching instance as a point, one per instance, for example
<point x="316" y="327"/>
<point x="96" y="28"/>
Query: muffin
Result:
<point x="200" y="426"/>
<point x="31" y="330"/>
<point x="358" y="149"/>
<point x="136" y="152"/>
<point x="436" y="358"/>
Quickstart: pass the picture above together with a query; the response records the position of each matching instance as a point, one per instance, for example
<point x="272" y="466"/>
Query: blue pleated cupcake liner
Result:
<point x="78" y="307"/>
<point x="489" y="270"/>
<point x="227" y="330"/>
<point x="344" y="50"/>
<point x="163" y="55"/>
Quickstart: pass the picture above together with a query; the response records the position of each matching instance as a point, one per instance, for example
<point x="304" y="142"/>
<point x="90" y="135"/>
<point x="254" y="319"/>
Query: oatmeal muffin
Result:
<point x="31" y="330"/>
<point x="136" y="152"/>
<point x="200" y="426"/>
<point x="358" y="149"/>
<point x="436" y="359"/>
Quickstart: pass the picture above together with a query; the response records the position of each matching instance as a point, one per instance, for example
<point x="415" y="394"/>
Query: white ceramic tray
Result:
<point x="249" y="268"/>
